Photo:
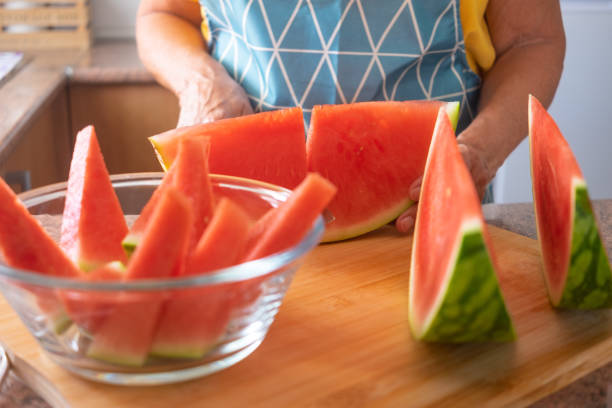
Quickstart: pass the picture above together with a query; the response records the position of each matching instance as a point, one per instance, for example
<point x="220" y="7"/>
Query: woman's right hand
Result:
<point x="206" y="98"/>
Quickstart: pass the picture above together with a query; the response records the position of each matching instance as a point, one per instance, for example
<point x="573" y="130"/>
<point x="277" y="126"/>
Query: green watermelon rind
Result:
<point x="391" y="213"/>
<point x="471" y="307"/>
<point x="184" y="352"/>
<point x="589" y="278"/>
<point x="130" y="243"/>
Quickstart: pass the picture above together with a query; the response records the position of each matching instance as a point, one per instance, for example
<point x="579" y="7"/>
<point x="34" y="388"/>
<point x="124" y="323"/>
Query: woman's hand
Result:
<point x="209" y="98"/>
<point x="478" y="168"/>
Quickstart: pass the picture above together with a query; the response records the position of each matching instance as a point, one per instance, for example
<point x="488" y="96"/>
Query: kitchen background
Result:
<point x="581" y="107"/>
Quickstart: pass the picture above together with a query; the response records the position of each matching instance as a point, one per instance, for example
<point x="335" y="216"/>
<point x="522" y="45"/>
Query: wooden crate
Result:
<point x="44" y="24"/>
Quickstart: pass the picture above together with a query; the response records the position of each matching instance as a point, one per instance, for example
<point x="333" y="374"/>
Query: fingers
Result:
<point x="415" y="189"/>
<point x="405" y="222"/>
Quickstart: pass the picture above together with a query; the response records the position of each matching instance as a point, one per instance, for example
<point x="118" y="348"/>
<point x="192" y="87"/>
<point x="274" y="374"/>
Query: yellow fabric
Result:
<point x="478" y="46"/>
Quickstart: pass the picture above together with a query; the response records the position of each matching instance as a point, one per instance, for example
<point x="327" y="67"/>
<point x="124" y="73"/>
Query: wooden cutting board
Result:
<point x="342" y="339"/>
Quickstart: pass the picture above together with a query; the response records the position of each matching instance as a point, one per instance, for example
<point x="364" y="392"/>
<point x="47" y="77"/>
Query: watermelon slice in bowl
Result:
<point x="454" y="294"/>
<point x="107" y="352"/>
<point x="576" y="269"/>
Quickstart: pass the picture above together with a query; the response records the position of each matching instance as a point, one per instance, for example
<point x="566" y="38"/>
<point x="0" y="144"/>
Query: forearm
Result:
<point x="173" y="50"/>
<point x="501" y="122"/>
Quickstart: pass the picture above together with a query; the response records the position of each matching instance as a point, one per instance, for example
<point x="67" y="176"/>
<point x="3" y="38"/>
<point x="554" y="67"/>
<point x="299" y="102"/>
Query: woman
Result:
<point x="227" y="58"/>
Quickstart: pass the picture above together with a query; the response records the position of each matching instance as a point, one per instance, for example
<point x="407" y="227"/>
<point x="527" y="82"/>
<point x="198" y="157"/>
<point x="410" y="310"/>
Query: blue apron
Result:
<point x="303" y="53"/>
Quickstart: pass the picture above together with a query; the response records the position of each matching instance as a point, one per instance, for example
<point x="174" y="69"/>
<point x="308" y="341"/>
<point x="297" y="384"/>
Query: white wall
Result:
<point x="582" y="107"/>
<point x="113" y="18"/>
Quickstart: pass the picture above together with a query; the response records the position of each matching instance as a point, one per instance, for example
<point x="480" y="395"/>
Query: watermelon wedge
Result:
<point x="191" y="178"/>
<point x="88" y="309"/>
<point x="266" y="146"/>
<point x="372" y="152"/>
<point x="92" y="209"/>
<point x="576" y="268"/>
<point x="194" y="320"/>
<point x="454" y="294"/>
<point x="134" y="236"/>
<point x="26" y="245"/>
<point x="283" y="227"/>
<point x="125" y="336"/>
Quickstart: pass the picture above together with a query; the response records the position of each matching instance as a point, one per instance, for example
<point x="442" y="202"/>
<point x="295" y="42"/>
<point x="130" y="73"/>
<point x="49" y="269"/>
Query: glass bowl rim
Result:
<point x="237" y="273"/>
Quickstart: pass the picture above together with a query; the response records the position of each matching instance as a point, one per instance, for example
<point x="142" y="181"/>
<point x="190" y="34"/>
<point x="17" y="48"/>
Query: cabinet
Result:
<point x="124" y="116"/>
<point x="42" y="153"/>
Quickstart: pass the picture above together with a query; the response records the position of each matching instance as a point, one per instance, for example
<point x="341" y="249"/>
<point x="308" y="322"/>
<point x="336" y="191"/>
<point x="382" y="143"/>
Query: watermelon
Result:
<point x="266" y="146"/>
<point x="191" y="178"/>
<point x="372" y="152"/>
<point x="283" y="227"/>
<point x="87" y="308"/>
<point x="124" y="337"/>
<point x="195" y="319"/>
<point x="454" y="294"/>
<point x="26" y="245"/>
<point x="576" y="268"/>
<point x="92" y="209"/>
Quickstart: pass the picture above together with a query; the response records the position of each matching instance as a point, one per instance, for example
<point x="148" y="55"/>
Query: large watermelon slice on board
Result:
<point x="372" y="152"/>
<point x="124" y="337"/>
<point x="26" y="245"/>
<point x="576" y="268"/>
<point x="266" y="146"/>
<point x="93" y="224"/>
<point x="454" y="292"/>
<point x="194" y="320"/>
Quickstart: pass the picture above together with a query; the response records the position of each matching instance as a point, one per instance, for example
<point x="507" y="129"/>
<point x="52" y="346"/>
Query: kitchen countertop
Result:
<point x="45" y="73"/>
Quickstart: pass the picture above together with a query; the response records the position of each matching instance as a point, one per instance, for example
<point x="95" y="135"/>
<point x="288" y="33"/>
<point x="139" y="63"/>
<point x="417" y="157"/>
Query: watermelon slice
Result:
<point x="576" y="268"/>
<point x="26" y="245"/>
<point x="283" y="227"/>
<point x="92" y="209"/>
<point x="454" y="293"/>
<point x="125" y="335"/>
<point x="372" y="152"/>
<point x="88" y="309"/>
<point x="191" y="178"/>
<point x="194" y="320"/>
<point x="134" y="236"/>
<point x="267" y="146"/>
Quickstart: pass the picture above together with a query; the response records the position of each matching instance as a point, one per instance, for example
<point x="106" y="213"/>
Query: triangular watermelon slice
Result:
<point x="134" y="236"/>
<point x="266" y="146"/>
<point x="26" y="245"/>
<point x="192" y="179"/>
<point x="195" y="319"/>
<point x="93" y="224"/>
<point x="576" y="268"/>
<point x="125" y="336"/>
<point x="284" y="226"/>
<point x="454" y="292"/>
<point x="372" y="152"/>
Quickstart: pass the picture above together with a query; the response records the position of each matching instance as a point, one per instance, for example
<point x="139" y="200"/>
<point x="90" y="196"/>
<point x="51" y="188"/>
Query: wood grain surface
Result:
<point x="341" y="339"/>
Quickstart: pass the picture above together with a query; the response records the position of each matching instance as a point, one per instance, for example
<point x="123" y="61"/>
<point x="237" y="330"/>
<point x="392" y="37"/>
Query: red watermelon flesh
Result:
<point x="285" y="226"/>
<point x="89" y="308"/>
<point x="26" y="245"/>
<point x="372" y="152"/>
<point x="191" y="178"/>
<point x="294" y="217"/>
<point x="134" y="236"/>
<point x="194" y="320"/>
<point x="92" y="209"/>
<point x="126" y="335"/>
<point x="266" y="146"/>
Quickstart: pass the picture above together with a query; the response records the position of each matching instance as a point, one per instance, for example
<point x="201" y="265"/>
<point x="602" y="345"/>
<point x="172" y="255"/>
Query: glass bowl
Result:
<point x="228" y="312"/>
